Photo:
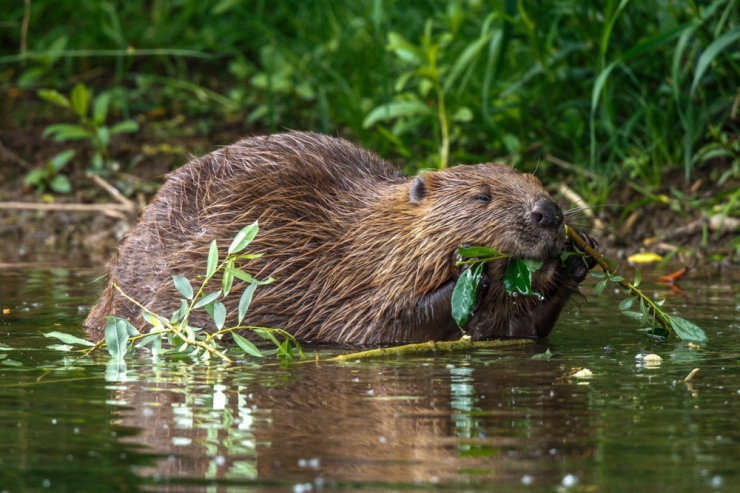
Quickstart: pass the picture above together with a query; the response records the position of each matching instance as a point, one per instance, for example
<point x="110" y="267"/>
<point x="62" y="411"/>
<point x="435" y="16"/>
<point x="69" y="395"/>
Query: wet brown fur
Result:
<point x="362" y="256"/>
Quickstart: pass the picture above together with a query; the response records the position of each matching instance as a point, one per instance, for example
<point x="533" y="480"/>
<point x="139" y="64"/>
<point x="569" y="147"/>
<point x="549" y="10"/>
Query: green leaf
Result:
<point x="714" y="49"/>
<point x="626" y="303"/>
<point x="116" y="337"/>
<point x="209" y="309"/>
<point x="60" y="184"/>
<point x="396" y="109"/>
<point x="69" y="339"/>
<point x="687" y="330"/>
<point x="465" y="59"/>
<point x="80" y="100"/>
<point x="403" y="49"/>
<point x="645" y="313"/>
<point x="60" y="347"/>
<point x="184" y="310"/>
<point x="157" y="346"/>
<point x="103" y="136"/>
<point x="100" y="108"/>
<point x="285" y="351"/>
<point x="152" y="320"/>
<point x="245" y="301"/>
<point x="60" y="160"/>
<point x="267" y="334"/>
<point x="97" y="161"/>
<point x="638" y="278"/>
<point x="228" y="278"/>
<point x="126" y="126"/>
<point x="207" y="299"/>
<point x="240" y="274"/>
<point x="35" y="177"/>
<point x="463" y="296"/>
<point x="659" y="333"/>
<point x="55" y="98"/>
<point x="212" y="260"/>
<point x="243" y="238"/>
<point x="183" y="286"/>
<point x="616" y="278"/>
<point x="598" y="275"/>
<point x="477" y="252"/>
<point x="637" y="50"/>
<point x="219" y="314"/>
<point x="599" y="288"/>
<point x="630" y="314"/>
<point x="246" y="345"/>
<point x="149" y="339"/>
<point x="533" y="265"/>
<point x="543" y="356"/>
<point x="66" y="131"/>
<point x="517" y="278"/>
<point x="463" y="115"/>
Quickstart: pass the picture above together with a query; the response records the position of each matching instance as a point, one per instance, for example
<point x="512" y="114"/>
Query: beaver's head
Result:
<point x="490" y="205"/>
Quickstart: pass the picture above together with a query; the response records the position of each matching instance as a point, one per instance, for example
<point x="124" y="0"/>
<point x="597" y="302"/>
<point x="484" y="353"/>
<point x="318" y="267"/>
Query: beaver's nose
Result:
<point x="547" y="214"/>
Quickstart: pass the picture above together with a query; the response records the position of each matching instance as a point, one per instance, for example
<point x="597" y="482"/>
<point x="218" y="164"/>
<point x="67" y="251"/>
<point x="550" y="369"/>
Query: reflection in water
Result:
<point x="483" y="421"/>
<point x="320" y="423"/>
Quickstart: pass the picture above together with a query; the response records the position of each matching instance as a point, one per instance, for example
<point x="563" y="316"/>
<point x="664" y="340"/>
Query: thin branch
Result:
<point x="430" y="347"/>
<point x="112" y="191"/>
<point x="38" y="206"/>
<point x="656" y="312"/>
<point x="569" y="166"/>
<point x="12" y="156"/>
<point x="174" y="329"/>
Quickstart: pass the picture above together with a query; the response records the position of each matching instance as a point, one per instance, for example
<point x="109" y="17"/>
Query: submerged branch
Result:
<point x="430" y="347"/>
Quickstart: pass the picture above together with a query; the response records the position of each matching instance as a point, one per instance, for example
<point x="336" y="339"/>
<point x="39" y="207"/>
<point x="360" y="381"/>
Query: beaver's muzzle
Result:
<point x="547" y="214"/>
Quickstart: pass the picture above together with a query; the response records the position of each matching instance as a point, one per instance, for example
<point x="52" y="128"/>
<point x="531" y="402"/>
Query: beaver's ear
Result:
<point x="418" y="190"/>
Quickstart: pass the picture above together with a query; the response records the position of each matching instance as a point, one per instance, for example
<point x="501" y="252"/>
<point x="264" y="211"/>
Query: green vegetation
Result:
<point x="49" y="177"/>
<point x="121" y="337"/>
<point x="518" y="280"/>
<point x="624" y="90"/>
<point x="91" y="127"/>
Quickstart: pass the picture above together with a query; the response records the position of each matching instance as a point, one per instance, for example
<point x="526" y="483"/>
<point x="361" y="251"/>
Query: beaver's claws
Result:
<point x="579" y="266"/>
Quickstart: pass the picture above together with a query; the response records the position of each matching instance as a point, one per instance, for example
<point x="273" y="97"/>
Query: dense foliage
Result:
<point x="622" y="88"/>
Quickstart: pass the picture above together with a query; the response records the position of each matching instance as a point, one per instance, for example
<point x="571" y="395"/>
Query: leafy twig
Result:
<point x="170" y="327"/>
<point x="651" y="312"/>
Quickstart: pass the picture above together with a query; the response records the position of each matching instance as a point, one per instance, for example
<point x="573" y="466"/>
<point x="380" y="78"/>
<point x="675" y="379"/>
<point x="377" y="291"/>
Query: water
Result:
<point x="493" y="420"/>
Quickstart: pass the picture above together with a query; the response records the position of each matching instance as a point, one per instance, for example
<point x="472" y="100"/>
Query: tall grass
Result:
<point x="619" y="88"/>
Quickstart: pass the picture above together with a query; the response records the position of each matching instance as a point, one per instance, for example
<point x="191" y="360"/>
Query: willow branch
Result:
<point x="172" y="328"/>
<point x="430" y="347"/>
<point x="656" y="312"/>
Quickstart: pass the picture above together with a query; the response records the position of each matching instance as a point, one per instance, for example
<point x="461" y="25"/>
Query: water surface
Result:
<point x="494" y="420"/>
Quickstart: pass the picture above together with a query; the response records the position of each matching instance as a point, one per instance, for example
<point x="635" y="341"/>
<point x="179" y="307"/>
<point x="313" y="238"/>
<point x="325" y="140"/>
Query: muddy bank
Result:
<point x="629" y="223"/>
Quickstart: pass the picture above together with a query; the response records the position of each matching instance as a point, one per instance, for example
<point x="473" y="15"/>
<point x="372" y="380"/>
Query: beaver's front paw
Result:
<point x="578" y="266"/>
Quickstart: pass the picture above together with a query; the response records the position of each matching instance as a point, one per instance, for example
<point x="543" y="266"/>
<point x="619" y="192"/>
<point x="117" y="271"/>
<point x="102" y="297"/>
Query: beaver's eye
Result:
<point x="483" y="198"/>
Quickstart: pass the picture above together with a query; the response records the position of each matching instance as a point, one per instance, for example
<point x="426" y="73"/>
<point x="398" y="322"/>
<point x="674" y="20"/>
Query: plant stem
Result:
<point x="430" y="347"/>
<point x="443" y="125"/>
<point x="654" y="309"/>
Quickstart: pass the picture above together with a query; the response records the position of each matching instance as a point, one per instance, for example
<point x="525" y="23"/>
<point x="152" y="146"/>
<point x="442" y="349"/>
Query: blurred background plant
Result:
<point x="91" y="127"/>
<point x="600" y="92"/>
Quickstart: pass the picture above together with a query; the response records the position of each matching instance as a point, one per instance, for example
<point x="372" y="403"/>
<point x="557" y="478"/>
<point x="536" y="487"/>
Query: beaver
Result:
<point x="363" y="255"/>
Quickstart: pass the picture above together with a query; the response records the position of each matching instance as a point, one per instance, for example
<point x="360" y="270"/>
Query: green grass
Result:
<point x="625" y="89"/>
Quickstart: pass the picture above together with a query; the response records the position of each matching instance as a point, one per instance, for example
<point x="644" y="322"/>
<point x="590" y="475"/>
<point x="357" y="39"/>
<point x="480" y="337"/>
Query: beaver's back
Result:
<point x="306" y="190"/>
